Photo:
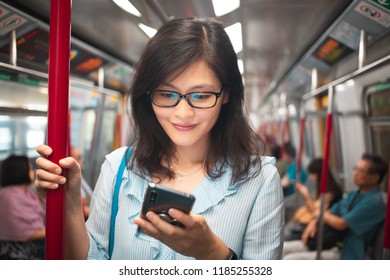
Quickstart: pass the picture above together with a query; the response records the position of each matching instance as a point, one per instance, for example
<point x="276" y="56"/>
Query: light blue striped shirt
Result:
<point x="248" y="216"/>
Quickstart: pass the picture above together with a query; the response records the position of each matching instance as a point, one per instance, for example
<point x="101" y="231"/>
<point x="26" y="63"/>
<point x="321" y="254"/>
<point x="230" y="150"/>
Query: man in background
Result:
<point x="359" y="214"/>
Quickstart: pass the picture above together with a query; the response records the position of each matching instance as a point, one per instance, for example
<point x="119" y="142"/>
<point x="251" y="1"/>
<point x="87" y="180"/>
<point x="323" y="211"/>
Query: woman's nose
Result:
<point x="183" y="108"/>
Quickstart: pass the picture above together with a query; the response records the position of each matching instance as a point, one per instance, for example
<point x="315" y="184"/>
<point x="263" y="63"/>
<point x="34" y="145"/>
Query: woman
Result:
<point x="22" y="228"/>
<point x="305" y="213"/>
<point x="191" y="134"/>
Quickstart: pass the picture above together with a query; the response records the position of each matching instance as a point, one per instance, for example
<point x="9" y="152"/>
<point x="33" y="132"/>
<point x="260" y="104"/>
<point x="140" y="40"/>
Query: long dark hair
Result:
<point x="176" y="45"/>
<point x="315" y="167"/>
<point x="15" y="170"/>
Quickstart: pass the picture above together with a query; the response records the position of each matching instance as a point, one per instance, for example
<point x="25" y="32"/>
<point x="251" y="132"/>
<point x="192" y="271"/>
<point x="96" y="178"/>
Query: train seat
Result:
<point x="18" y="250"/>
<point x="375" y="249"/>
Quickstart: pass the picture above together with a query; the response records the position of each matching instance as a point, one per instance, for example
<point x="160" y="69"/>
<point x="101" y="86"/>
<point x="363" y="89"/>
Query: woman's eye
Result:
<point x="200" y="96"/>
<point x="168" y="95"/>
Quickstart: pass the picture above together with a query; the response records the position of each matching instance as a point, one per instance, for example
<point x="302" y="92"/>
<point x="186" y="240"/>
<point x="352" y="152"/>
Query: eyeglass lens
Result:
<point x="194" y="99"/>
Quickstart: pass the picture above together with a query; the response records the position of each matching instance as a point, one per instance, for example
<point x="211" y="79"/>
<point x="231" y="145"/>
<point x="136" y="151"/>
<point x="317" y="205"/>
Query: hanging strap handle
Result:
<point x="114" y="207"/>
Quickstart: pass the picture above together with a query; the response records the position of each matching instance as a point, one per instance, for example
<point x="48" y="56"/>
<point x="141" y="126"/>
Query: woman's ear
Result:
<point x="225" y="97"/>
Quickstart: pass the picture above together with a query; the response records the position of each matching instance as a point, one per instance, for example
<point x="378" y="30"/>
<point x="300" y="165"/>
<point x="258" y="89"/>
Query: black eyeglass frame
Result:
<point x="185" y="96"/>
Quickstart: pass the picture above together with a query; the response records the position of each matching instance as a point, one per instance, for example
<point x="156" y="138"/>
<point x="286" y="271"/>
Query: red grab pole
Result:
<point x="59" y="52"/>
<point x="300" y="146"/>
<point x="324" y="172"/>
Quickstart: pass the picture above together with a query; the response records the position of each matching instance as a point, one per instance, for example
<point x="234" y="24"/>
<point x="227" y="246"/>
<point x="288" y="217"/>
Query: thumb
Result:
<point x="74" y="172"/>
<point x="71" y="164"/>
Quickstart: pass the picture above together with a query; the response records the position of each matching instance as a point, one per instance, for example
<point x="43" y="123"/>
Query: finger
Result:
<point x="70" y="163"/>
<point x="44" y="150"/>
<point x="162" y="225"/>
<point x="42" y="186"/>
<point x="147" y="226"/>
<point x="186" y="219"/>
<point x="47" y="179"/>
<point x="48" y="165"/>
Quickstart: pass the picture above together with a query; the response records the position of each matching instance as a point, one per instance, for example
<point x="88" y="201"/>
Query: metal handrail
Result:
<point x="364" y="69"/>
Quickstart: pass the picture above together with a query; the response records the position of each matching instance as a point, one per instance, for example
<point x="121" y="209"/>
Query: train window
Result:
<point x="89" y="118"/>
<point x="379" y="100"/>
<point x="5" y="139"/>
<point x="36" y="127"/>
<point x="380" y="136"/>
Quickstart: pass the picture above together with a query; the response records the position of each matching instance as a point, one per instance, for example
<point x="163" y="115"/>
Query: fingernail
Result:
<point x="57" y="170"/>
<point x="149" y="215"/>
<point x="62" y="180"/>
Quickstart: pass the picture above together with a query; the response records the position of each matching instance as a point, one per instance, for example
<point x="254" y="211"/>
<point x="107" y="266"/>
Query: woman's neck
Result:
<point x="190" y="156"/>
<point x="23" y="187"/>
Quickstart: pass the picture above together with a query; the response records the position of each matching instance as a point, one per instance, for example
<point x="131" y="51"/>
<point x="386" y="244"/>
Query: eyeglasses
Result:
<point x="360" y="171"/>
<point x="199" y="99"/>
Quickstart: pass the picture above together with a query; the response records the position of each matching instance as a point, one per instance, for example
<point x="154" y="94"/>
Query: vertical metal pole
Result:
<point x="362" y="49"/>
<point x="300" y="149"/>
<point x="324" y="173"/>
<point x="101" y="77"/>
<point x="311" y="136"/>
<point x="314" y="79"/>
<point x="283" y="128"/>
<point x="386" y="241"/>
<point x="13" y="50"/>
<point x="59" y="52"/>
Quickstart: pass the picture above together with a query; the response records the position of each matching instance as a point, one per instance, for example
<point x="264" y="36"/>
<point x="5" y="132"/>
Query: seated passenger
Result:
<point x="280" y="164"/>
<point x="288" y="180"/>
<point x="359" y="214"/>
<point x="22" y="228"/>
<point x="303" y="215"/>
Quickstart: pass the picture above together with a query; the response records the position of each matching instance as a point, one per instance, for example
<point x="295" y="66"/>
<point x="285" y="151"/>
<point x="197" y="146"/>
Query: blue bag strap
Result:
<point x="114" y="207"/>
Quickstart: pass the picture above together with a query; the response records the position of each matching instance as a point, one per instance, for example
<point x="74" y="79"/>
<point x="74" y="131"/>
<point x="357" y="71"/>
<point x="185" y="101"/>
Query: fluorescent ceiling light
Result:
<point x="222" y="7"/>
<point x="128" y="7"/>
<point x="148" y="30"/>
<point x="235" y="35"/>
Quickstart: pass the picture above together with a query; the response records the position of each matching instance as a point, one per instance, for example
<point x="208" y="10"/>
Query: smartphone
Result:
<point x="160" y="199"/>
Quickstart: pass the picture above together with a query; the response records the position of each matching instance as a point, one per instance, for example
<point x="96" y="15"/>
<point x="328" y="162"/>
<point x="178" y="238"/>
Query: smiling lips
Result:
<point x="183" y="127"/>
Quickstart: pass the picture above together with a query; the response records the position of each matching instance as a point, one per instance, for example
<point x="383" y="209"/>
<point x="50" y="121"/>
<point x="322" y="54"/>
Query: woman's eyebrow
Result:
<point x="192" y="88"/>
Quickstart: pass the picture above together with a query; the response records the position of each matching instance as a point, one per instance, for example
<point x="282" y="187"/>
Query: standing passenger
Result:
<point x="191" y="134"/>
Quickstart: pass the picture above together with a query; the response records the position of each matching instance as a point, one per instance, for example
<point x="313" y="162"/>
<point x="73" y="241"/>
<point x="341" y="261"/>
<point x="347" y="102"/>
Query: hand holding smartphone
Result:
<point x="160" y="199"/>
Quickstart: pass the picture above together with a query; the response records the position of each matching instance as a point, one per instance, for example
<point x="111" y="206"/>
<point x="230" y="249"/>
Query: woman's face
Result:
<point x="187" y="126"/>
<point x="313" y="177"/>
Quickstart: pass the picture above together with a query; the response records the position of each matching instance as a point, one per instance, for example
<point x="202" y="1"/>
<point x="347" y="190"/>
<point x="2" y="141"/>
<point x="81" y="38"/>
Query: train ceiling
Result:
<point x="282" y="39"/>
